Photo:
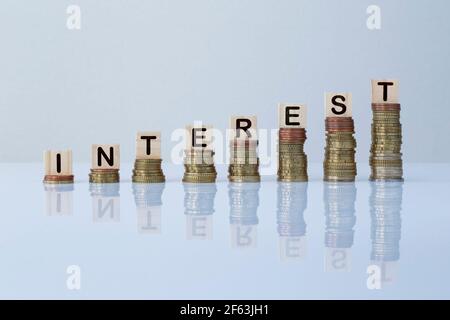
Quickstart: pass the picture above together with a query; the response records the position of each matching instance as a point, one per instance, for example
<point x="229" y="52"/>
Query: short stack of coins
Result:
<point x="148" y="171"/>
<point x="339" y="164"/>
<point x="58" y="179"/>
<point x="244" y="161"/>
<point x="385" y="151"/>
<point x="104" y="176"/>
<point x="199" y="166"/>
<point x="292" y="160"/>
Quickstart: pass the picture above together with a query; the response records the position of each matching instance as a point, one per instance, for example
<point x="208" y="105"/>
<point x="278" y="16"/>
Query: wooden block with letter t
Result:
<point x="148" y="145"/>
<point x="384" y="91"/>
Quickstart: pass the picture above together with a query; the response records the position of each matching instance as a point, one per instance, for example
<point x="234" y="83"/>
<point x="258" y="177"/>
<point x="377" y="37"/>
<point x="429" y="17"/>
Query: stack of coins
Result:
<point x="244" y="202"/>
<point x="104" y="176"/>
<point x="385" y="207"/>
<point x="244" y="161"/>
<point x="292" y="202"/>
<point x="292" y="160"/>
<point x="199" y="166"/>
<point x="339" y="200"/>
<point x="199" y="199"/>
<point x="58" y="179"/>
<point x="339" y="164"/>
<point x="148" y="171"/>
<point x="385" y="155"/>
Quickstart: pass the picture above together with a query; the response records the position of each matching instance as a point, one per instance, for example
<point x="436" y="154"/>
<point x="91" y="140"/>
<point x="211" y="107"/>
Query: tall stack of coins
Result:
<point x="199" y="166"/>
<point x="385" y="207"/>
<point x="339" y="164"/>
<point x="104" y="176"/>
<point x="148" y="171"/>
<point x="339" y="200"/>
<point x="244" y="161"/>
<point x="292" y="160"/>
<point x="385" y="152"/>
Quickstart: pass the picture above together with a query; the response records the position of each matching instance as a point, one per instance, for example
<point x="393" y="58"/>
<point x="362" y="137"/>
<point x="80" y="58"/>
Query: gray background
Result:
<point x="163" y="64"/>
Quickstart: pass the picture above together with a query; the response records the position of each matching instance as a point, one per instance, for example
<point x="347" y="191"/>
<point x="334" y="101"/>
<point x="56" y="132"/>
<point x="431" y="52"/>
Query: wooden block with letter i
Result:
<point x="58" y="166"/>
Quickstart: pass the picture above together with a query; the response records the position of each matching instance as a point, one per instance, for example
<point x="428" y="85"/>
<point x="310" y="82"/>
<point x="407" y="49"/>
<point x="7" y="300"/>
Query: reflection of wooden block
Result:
<point x="199" y="227"/>
<point x="384" y="91"/>
<point x="105" y="156"/>
<point x="58" y="162"/>
<point x="148" y="145"/>
<point x="149" y="220"/>
<point x="106" y="209"/>
<point x="291" y="115"/>
<point x="337" y="259"/>
<point x="199" y="137"/>
<point x="244" y="127"/>
<point x="338" y="104"/>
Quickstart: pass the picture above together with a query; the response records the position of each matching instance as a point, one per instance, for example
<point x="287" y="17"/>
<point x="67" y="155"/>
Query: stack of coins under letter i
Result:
<point x="147" y="166"/>
<point x="58" y="167"/>
<point x="244" y="160"/>
<point x="199" y="155"/>
<point x="105" y="163"/>
<point x="339" y="164"/>
<point x="385" y="152"/>
<point x="292" y="160"/>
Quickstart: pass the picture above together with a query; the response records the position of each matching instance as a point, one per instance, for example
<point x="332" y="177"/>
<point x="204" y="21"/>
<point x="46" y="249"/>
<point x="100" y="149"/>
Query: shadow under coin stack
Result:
<point x="199" y="199"/>
<point x="385" y="207"/>
<point x="339" y="200"/>
<point x="339" y="164"/>
<point x="148" y="171"/>
<point x="292" y="160"/>
<point x="199" y="166"/>
<point x="244" y="161"/>
<point x="292" y="203"/>
<point x="104" y="176"/>
<point x="385" y="155"/>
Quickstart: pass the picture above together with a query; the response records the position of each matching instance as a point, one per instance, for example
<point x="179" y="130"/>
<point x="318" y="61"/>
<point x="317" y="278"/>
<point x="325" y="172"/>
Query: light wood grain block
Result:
<point x="244" y="127"/>
<point x="199" y="137"/>
<point x="58" y="162"/>
<point x="291" y="115"/>
<point x="105" y="156"/>
<point x="148" y="145"/>
<point x="338" y="104"/>
<point x="385" y="91"/>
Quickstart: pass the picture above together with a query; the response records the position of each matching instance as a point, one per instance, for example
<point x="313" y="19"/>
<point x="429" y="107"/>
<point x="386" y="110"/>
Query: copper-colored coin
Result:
<point x="58" y="178"/>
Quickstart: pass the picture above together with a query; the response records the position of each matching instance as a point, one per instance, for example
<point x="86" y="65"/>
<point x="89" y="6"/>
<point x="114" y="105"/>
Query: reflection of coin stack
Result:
<point x="199" y="166"/>
<point x="339" y="200"/>
<point x="339" y="164"/>
<point x="292" y="202"/>
<point x="104" y="176"/>
<point x="148" y="171"/>
<point x="244" y="161"/>
<point x="104" y="190"/>
<point x="385" y="155"/>
<point x="59" y="198"/>
<point x="292" y="160"/>
<point x="244" y="202"/>
<point x="198" y="208"/>
<point x="385" y="206"/>
<point x="148" y="203"/>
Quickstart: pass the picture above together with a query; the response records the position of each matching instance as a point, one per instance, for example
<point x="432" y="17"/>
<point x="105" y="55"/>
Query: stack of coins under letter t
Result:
<point x="199" y="156"/>
<point x="147" y="166"/>
<point x="292" y="160"/>
<point x="339" y="164"/>
<point x="385" y="152"/>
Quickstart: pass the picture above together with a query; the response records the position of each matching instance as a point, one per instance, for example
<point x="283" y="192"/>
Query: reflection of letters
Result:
<point x="59" y="199"/>
<point x="339" y="259"/>
<point x="292" y="247"/>
<point x="149" y="221"/>
<point x="108" y="207"/>
<point x="243" y="236"/>
<point x="199" y="226"/>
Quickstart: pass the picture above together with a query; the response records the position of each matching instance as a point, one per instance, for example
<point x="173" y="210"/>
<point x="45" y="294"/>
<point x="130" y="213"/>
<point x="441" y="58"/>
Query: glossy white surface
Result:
<point x="199" y="244"/>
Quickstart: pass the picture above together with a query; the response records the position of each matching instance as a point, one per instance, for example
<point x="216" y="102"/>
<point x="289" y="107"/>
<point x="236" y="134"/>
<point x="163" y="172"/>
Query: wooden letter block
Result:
<point x="244" y="127"/>
<point x="338" y="104"/>
<point x="58" y="162"/>
<point x="291" y="115"/>
<point x="199" y="137"/>
<point x="384" y="91"/>
<point x="148" y="145"/>
<point x="105" y="156"/>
